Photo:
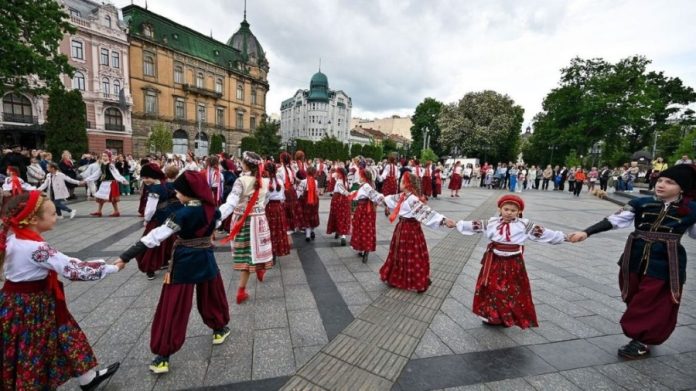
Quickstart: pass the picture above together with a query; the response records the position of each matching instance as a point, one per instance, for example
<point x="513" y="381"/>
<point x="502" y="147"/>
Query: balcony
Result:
<point x="202" y="91"/>
<point x="110" y="97"/>
<point x="20" y="118"/>
<point x="79" y="21"/>
<point x="115" y="127"/>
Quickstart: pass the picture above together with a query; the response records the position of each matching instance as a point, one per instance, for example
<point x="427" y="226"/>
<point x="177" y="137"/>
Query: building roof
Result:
<point x="319" y="88"/>
<point x="181" y="38"/>
<point x="247" y="44"/>
<point x="376" y="134"/>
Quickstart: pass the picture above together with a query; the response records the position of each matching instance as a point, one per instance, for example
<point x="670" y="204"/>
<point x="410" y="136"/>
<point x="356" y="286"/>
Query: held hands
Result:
<point x="576" y="237"/>
<point x="120" y="264"/>
<point x="449" y="223"/>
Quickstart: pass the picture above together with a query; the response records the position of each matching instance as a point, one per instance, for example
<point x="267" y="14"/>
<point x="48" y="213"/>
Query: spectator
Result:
<point x="684" y="160"/>
<point x="35" y="174"/>
<point x="68" y="168"/>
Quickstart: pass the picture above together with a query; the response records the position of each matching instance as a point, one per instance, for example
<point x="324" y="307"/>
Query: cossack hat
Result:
<point x="683" y="174"/>
<point x="152" y="170"/>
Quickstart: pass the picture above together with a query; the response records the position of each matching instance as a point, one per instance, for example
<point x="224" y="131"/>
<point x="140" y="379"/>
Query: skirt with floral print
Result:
<point x="408" y="263"/>
<point x="35" y="352"/>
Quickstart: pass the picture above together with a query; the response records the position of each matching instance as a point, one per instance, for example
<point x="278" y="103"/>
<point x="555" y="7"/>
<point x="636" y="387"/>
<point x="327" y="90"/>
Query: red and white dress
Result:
<point x="277" y="221"/>
<point x="427" y="181"/>
<point x="110" y="178"/>
<point x="364" y="236"/>
<point x="339" y="212"/>
<point x="41" y="344"/>
<point x="503" y="295"/>
<point x="455" y="182"/>
<point x="408" y="263"/>
<point x="389" y="177"/>
<point x="310" y="210"/>
<point x="287" y="176"/>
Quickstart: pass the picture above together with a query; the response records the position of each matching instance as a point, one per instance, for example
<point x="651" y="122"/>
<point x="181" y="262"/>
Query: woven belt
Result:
<point x="489" y="255"/>
<point x="672" y="242"/>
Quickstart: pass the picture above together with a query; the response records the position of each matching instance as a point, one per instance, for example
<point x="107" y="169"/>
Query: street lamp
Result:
<point x="552" y="148"/>
<point x="596" y="150"/>
<point x="425" y="137"/>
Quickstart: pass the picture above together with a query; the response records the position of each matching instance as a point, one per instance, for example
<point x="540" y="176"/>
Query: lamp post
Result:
<point x="425" y="137"/>
<point x="552" y="148"/>
<point x="596" y="150"/>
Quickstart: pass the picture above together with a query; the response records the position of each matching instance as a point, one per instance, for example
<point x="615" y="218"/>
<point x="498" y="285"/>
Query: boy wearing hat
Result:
<point x="653" y="264"/>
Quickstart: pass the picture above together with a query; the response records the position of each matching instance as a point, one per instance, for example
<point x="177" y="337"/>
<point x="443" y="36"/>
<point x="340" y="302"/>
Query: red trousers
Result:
<point x="650" y="315"/>
<point x="171" y="318"/>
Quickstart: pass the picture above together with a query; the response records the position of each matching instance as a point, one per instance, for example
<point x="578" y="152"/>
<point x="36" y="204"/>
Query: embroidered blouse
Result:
<point x="241" y="193"/>
<point x="517" y="231"/>
<point x="367" y="192"/>
<point x="413" y="208"/>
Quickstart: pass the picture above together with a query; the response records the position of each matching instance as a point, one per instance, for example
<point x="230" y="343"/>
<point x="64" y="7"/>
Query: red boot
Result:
<point x="242" y="295"/>
<point x="260" y="274"/>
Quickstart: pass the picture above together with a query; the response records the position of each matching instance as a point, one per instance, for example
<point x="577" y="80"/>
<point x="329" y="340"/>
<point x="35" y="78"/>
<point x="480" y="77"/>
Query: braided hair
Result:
<point x="270" y="169"/>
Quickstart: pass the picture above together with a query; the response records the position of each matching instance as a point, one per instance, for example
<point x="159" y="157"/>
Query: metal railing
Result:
<point x="115" y="127"/>
<point x="20" y="118"/>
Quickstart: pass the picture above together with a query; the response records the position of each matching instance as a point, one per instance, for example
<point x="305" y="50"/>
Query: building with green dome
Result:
<point x="316" y="113"/>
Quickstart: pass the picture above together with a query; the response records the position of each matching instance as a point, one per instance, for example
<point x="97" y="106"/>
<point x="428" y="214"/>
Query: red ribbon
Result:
<point x="395" y="213"/>
<point x="504" y="229"/>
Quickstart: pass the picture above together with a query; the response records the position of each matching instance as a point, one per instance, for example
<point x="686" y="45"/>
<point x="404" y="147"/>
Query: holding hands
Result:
<point x="576" y="237"/>
<point x="120" y="264"/>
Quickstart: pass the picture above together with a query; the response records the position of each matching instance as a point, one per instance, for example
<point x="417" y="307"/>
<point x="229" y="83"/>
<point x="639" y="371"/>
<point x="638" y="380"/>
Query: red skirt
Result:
<point x="389" y="186"/>
<point x="455" y="182"/>
<point x="154" y="258"/>
<point x="309" y="214"/>
<point x="290" y="204"/>
<point x="408" y="263"/>
<point x="506" y="298"/>
<point x="364" y="231"/>
<point x="427" y="186"/>
<point x="279" y="228"/>
<point x="437" y="187"/>
<point x="339" y="215"/>
<point x="331" y="184"/>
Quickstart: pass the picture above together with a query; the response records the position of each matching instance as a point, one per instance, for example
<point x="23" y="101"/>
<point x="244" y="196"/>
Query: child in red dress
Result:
<point x="275" y="213"/>
<point x="308" y="200"/>
<point x="364" y="238"/>
<point x="339" y="212"/>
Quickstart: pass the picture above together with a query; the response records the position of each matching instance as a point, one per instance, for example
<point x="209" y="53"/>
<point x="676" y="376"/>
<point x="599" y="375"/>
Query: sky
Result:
<point x="389" y="55"/>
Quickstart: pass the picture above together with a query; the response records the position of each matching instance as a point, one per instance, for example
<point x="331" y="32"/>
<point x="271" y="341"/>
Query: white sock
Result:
<point x="308" y="232"/>
<point x="87" y="377"/>
<point x="343" y="236"/>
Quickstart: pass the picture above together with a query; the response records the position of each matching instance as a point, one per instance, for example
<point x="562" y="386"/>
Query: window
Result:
<point x="253" y="96"/>
<point x="240" y="92"/>
<point x="115" y="146"/>
<point x="200" y="113"/>
<point x="147" y="30"/>
<point x="179" y="74"/>
<point x="78" y="81"/>
<point x="218" y="85"/>
<point x="199" y="80"/>
<point x="16" y="108"/>
<point x="74" y="12"/>
<point x="220" y="116"/>
<point x="77" y="50"/>
<point x="117" y="87"/>
<point x="149" y="65"/>
<point x="108" y="21"/>
<point x="240" y="120"/>
<point x="115" y="60"/>
<point x="104" y="57"/>
<point x="252" y="123"/>
<point x="113" y="119"/>
<point x="105" y="86"/>
<point x="179" y="108"/>
<point x="180" y="142"/>
<point x="150" y="102"/>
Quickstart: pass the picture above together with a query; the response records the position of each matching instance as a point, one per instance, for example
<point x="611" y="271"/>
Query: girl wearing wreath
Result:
<point x="109" y="190"/>
<point x="275" y="214"/>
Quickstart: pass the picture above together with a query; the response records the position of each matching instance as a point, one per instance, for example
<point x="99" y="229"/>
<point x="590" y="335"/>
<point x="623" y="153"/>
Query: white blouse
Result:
<point x="413" y="208"/>
<point x="29" y="260"/>
<point x="302" y="187"/>
<point x="389" y="169"/>
<point x="7" y="186"/>
<point x="341" y="189"/>
<point x="241" y="193"/>
<point x="275" y="195"/>
<point x="367" y="192"/>
<point x="521" y="230"/>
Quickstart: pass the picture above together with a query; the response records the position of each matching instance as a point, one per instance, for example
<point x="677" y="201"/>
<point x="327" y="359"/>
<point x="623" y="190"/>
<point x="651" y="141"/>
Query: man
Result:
<point x="684" y="160"/>
<point x="604" y="178"/>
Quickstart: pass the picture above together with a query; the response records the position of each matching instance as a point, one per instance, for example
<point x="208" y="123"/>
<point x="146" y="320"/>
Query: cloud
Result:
<point x="389" y="55"/>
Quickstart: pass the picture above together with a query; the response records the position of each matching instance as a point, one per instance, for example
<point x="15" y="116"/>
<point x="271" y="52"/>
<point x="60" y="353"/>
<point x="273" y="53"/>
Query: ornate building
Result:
<point x="192" y="84"/>
<point x="316" y="113"/>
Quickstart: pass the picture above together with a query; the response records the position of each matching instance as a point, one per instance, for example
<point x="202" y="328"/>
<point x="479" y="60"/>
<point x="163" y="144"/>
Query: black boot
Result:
<point x="364" y="257"/>
<point x="634" y="350"/>
<point x="99" y="379"/>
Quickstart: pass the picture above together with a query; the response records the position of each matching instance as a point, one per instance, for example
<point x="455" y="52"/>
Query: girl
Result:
<point x="287" y="177"/>
<point x="408" y="263"/>
<point x="592" y="178"/>
<point x="437" y="182"/>
<point x="321" y="175"/>
<point x="389" y="176"/>
<point x="364" y="235"/>
<point x="109" y="177"/>
<point x="214" y="177"/>
<point x="653" y="264"/>
<point x="512" y="185"/>
<point x="503" y="296"/>
<point x="455" y="182"/>
<point x="252" y="250"/>
<point x="41" y="343"/>
<point x="308" y="200"/>
<point x="13" y="183"/>
<point x="579" y="181"/>
<point x="275" y="214"/>
<point x="193" y="266"/>
<point x="57" y="190"/>
<point x="332" y="181"/>
<point x="428" y="179"/>
<point x="339" y="212"/>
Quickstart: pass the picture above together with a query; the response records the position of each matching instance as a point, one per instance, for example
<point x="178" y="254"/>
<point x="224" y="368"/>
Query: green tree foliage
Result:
<point x="428" y="154"/>
<point x="215" y="144"/>
<point x="621" y="104"/>
<point x="250" y="143"/>
<point x="686" y="147"/>
<point x="66" y="123"/>
<point x="356" y="150"/>
<point x="160" y="139"/>
<point x="482" y="121"/>
<point x="29" y="40"/>
<point x="388" y="146"/>
<point x="267" y="134"/>
<point x="426" y="116"/>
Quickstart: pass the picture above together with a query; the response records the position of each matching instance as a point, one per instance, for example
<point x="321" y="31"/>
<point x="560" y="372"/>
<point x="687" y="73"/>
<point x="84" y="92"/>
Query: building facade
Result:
<point x="193" y="85"/>
<point x="22" y="117"/>
<point x="99" y="53"/>
<point x="316" y="113"/>
<point x="390" y="125"/>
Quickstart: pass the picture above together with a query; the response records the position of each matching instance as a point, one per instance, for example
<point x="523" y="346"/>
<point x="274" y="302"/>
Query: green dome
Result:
<point x="319" y="88"/>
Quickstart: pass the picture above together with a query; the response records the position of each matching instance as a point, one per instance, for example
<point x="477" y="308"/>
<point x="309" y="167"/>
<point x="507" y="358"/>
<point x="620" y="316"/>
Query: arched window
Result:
<point x="180" y="142"/>
<point x="199" y="80"/>
<point x="105" y="86"/>
<point x="149" y="65"/>
<point x="179" y="74"/>
<point x="240" y="92"/>
<point x="108" y="21"/>
<point x="201" y="144"/>
<point x="115" y="60"/>
<point x="113" y="119"/>
<point x="117" y="87"/>
<point x="253" y="96"/>
<point x="16" y="108"/>
<point x="218" y="85"/>
<point x="78" y="82"/>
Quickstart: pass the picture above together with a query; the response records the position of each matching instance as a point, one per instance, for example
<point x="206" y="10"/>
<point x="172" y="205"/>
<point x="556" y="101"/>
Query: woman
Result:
<point x="455" y="182"/>
<point x="67" y="167"/>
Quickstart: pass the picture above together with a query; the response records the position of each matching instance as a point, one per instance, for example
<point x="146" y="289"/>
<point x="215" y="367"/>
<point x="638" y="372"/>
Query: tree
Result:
<point x="29" y="41"/>
<point x="482" y="122"/>
<point x="428" y="154"/>
<point x="268" y="137"/>
<point x="66" y="123"/>
<point x="388" y="146"/>
<point x="426" y="116"/>
<point x="160" y="139"/>
<point x="356" y="150"/>
<point x="250" y="143"/>
<point x="215" y="144"/>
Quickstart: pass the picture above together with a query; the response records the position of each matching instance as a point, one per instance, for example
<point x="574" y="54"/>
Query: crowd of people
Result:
<point x="254" y="204"/>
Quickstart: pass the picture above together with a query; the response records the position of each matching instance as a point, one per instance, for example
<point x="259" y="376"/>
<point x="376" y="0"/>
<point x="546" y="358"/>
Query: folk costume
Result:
<point x="332" y="180"/>
<point x="389" y="178"/>
<point x="364" y="237"/>
<point x="14" y="184"/>
<point x="503" y="295"/>
<point x="109" y="179"/>
<point x="653" y="264"/>
<point x="41" y="344"/>
<point x="455" y="182"/>
<point x="427" y="181"/>
<point x="308" y="200"/>
<point x="213" y="176"/>
<point x="321" y="175"/>
<point x="408" y="263"/>
<point x="192" y="267"/>
<point x="437" y="182"/>
<point x="339" y="212"/>
<point x="287" y="176"/>
<point x="277" y="221"/>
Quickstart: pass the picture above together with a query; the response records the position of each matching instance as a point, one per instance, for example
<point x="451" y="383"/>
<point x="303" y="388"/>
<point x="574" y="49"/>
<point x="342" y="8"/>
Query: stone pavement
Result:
<point x="323" y="319"/>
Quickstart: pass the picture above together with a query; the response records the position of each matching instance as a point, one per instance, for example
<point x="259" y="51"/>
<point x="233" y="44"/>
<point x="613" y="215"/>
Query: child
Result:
<point x="427" y="181"/>
<point x="109" y="178"/>
<point x="193" y="266"/>
<point x="437" y="182"/>
<point x="252" y="249"/>
<point x="339" y="212"/>
<point x="214" y="177"/>
<point x="408" y="263"/>
<point x="13" y="183"/>
<point x="653" y="264"/>
<point x="57" y="191"/>
<point x="331" y="185"/>
<point x="455" y="182"/>
<point x="364" y="238"/>
<point x="41" y="343"/>
<point x="503" y="296"/>
<point x="308" y="199"/>
<point x="389" y="176"/>
<point x="275" y="214"/>
<point x="287" y="176"/>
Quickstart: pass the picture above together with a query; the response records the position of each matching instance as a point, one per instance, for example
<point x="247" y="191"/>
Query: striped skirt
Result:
<point x="242" y="252"/>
